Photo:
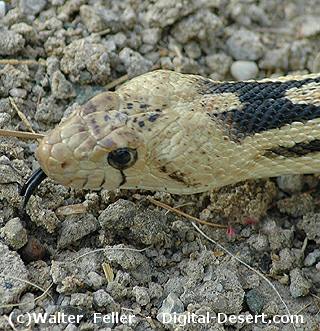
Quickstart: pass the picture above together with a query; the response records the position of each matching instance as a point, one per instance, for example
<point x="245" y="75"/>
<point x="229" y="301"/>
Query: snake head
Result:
<point x="96" y="147"/>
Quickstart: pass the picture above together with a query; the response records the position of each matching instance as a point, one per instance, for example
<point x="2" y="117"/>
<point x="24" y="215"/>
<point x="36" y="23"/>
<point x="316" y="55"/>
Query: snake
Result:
<point x="185" y="134"/>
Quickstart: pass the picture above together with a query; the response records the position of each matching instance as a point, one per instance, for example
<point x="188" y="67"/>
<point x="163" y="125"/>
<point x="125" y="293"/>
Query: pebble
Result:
<point x="244" y="70"/>
<point x="61" y="87"/>
<point x="141" y="294"/>
<point x="2" y="9"/>
<point x="312" y="258"/>
<point x="134" y="62"/>
<point x="299" y="286"/>
<point x="18" y="93"/>
<point x="255" y="301"/>
<point x="310" y="26"/>
<point x="76" y="227"/>
<point x="14" y="234"/>
<point x="32" y="7"/>
<point x="170" y="305"/>
<point x="103" y="299"/>
<point x="276" y="59"/>
<point x="290" y="183"/>
<point x="245" y="45"/>
<point x="10" y="42"/>
<point x="27" y="302"/>
<point x="11" y="265"/>
<point x="83" y="300"/>
<point x="151" y="36"/>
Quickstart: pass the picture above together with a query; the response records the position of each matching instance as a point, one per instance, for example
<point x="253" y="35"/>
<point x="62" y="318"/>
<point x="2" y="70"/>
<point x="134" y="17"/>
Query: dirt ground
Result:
<point x="121" y="254"/>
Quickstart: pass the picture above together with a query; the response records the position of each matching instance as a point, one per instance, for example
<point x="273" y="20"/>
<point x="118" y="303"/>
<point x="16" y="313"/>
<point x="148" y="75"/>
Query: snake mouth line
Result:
<point x="31" y="184"/>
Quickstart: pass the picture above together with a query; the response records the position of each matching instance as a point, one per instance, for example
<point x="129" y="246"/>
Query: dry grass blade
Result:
<point x="20" y="134"/>
<point x="108" y="272"/>
<point x="21" y="115"/>
<point x="181" y="213"/>
<point x="78" y="208"/>
<point x="117" y="82"/>
<point x="17" y="62"/>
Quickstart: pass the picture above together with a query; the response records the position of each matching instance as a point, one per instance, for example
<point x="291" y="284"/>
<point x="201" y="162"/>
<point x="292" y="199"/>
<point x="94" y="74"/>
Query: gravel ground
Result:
<point x="153" y="262"/>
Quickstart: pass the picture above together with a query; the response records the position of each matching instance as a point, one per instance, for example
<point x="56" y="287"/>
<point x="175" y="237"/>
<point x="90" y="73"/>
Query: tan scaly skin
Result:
<point x="184" y="134"/>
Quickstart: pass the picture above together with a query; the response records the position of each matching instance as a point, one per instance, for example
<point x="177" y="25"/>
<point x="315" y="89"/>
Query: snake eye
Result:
<point x="122" y="158"/>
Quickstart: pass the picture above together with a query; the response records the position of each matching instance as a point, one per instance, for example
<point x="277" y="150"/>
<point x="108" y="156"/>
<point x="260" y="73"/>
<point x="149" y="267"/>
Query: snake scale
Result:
<point x="185" y="134"/>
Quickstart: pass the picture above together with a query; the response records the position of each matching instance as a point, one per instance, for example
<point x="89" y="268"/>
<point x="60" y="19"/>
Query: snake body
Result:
<point x="186" y="134"/>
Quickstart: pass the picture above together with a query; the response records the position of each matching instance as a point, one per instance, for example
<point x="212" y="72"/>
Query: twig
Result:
<point x="20" y="134"/>
<point x="190" y="217"/>
<point x="117" y="82"/>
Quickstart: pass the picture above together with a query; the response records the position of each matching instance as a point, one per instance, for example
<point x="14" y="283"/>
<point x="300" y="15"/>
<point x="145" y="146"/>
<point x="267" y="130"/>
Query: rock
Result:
<point x="255" y="301"/>
<point x="219" y="63"/>
<point x="308" y="25"/>
<point x="134" y="62"/>
<point x="92" y="18"/>
<point x="61" y="87"/>
<point x="151" y="36"/>
<point x="170" y="305"/>
<point x="299" y="286"/>
<point x="14" y="234"/>
<point x="244" y="70"/>
<point x="31" y="7"/>
<point x="283" y="263"/>
<point x="259" y="242"/>
<point x="310" y="224"/>
<point x="202" y="25"/>
<point x="312" y="258"/>
<point x="11" y="265"/>
<point x="82" y="300"/>
<point x="86" y="61"/>
<point x="10" y="42"/>
<point x="76" y="227"/>
<point x="27" y="302"/>
<point x="2" y="9"/>
<point x="193" y="50"/>
<point x="141" y="294"/>
<point x="102" y="299"/>
<point x="276" y="59"/>
<point x="290" y="183"/>
<point x="142" y="225"/>
<point x="245" y="45"/>
<point x="297" y="205"/>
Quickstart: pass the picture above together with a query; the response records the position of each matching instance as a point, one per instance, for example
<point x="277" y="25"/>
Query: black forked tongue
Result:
<point x="31" y="184"/>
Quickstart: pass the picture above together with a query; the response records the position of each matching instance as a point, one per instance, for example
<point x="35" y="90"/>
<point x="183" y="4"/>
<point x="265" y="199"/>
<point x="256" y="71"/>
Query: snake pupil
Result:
<point x="122" y="158"/>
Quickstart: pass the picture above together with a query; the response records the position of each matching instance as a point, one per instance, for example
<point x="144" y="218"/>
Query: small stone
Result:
<point x="276" y="59"/>
<point x="134" y="62"/>
<point x="11" y="265"/>
<point x="310" y="26"/>
<point x="27" y="31"/>
<point x="31" y="7"/>
<point x="297" y="205"/>
<point x="102" y="299"/>
<point x="76" y="227"/>
<point x="170" y="305"/>
<point x="91" y="18"/>
<point x="255" y="301"/>
<point x="219" y="63"/>
<point x="27" y="302"/>
<point x="299" y="286"/>
<point x="2" y="9"/>
<point x="10" y="42"/>
<point x="310" y="224"/>
<point x="151" y="36"/>
<point x="141" y="294"/>
<point x="193" y="50"/>
<point x="290" y="183"/>
<point x="95" y="280"/>
<point x="259" y="242"/>
<point x="312" y="258"/>
<point x="245" y="45"/>
<point x="61" y="87"/>
<point x="14" y="234"/>
<point x="244" y="70"/>
<point x="33" y="250"/>
<point x="83" y="300"/>
<point x="18" y="93"/>
<point x="4" y="119"/>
